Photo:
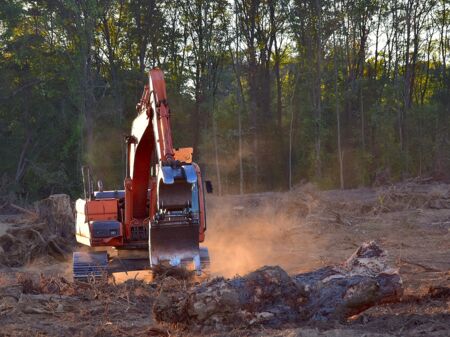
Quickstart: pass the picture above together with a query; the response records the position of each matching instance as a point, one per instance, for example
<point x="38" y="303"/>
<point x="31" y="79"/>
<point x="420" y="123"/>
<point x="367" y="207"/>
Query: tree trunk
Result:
<point x="291" y="128"/>
<point x="22" y="162"/>
<point x="216" y="151"/>
<point x="241" y="108"/>
<point x="338" y="118"/>
<point x="318" y="89"/>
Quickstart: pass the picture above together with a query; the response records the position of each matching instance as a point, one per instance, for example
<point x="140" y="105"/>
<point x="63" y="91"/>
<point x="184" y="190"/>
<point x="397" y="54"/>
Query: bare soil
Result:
<point x="300" y="230"/>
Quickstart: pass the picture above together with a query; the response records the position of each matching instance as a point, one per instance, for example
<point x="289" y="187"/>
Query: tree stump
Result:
<point x="56" y="211"/>
<point x="270" y="297"/>
<point x="51" y="233"/>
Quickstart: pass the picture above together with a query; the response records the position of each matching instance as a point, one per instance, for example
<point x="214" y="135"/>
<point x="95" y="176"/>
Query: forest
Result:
<point x="270" y="94"/>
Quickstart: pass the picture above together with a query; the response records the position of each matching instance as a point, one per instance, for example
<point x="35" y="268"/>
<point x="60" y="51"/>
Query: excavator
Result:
<point x="159" y="216"/>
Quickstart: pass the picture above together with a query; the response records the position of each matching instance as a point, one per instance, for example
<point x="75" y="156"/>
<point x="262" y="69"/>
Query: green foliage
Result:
<point x="73" y="71"/>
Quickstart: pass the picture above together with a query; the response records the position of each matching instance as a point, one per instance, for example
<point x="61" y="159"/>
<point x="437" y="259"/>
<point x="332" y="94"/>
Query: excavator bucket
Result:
<point x="173" y="241"/>
<point x="176" y="243"/>
<point x="174" y="233"/>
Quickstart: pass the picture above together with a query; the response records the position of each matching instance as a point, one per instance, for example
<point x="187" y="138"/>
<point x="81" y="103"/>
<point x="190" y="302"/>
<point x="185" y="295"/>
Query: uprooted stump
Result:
<point x="364" y="280"/>
<point x="270" y="297"/>
<point x="56" y="211"/>
<point x="49" y="233"/>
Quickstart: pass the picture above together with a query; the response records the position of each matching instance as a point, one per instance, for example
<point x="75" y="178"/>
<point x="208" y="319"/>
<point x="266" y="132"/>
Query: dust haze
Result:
<point x="247" y="232"/>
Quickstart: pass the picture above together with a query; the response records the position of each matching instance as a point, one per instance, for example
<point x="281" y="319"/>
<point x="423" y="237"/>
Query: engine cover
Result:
<point x="105" y="229"/>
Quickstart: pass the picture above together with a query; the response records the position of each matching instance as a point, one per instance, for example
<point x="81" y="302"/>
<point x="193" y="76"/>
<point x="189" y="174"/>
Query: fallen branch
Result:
<point x="427" y="268"/>
<point x="340" y="219"/>
<point x="23" y="210"/>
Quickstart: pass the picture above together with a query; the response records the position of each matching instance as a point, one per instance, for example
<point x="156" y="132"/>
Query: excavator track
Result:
<point x="88" y="265"/>
<point x="95" y="265"/>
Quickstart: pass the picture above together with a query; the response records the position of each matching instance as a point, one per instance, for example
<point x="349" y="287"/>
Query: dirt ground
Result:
<point x="299" y="230"/>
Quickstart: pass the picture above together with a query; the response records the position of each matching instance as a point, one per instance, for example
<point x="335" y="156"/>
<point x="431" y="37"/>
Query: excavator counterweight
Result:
<point x="160" y="213"/>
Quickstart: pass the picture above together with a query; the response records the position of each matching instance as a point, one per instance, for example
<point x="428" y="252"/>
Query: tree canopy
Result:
<point x="269" y="93"/>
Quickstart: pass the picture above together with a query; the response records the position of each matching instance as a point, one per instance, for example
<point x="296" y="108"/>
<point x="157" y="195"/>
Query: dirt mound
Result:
<point x="389" y="198"/>
<point x="46" y="232"/>
<point x="272" y="298"/>
<point x="406" y="196"/>
<point x="160" y="272"/>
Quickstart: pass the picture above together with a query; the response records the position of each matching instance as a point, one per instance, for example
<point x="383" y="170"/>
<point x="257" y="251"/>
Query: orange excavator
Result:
<point x="159" y="216"/>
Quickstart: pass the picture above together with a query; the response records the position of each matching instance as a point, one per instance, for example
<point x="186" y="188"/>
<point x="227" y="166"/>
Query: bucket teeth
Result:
<point x="204" y="258"/>
<point x="201" y="261"/>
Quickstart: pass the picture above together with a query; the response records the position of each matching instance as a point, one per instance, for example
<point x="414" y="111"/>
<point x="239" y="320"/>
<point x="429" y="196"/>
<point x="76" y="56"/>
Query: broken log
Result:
<point x="270" y="297"/>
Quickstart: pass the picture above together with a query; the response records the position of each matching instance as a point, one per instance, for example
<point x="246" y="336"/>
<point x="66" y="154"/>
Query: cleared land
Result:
<point x="299" y="231"/>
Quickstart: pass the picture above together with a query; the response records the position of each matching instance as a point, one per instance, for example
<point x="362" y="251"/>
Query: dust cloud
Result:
<point x="106" y="158"/>
<point x="247" y="232"/>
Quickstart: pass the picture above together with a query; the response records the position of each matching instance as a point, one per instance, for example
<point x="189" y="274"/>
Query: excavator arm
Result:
<point x="177" y="218"/>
